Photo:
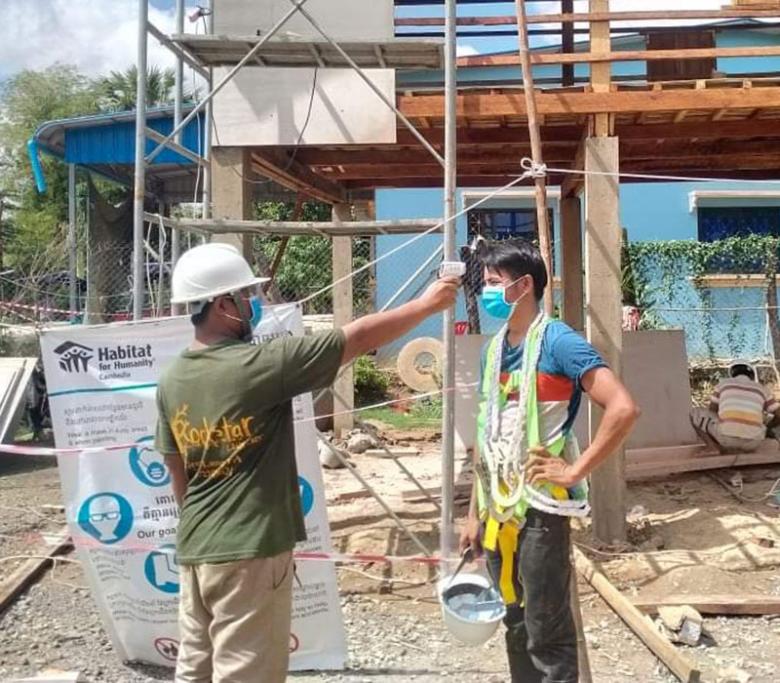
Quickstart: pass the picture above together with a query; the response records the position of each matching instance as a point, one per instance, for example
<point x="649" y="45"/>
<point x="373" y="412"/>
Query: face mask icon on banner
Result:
<point x="153" y="468"/>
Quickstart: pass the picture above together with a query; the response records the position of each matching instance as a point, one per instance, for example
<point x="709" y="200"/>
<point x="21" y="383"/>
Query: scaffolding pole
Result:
<point x="139" y="186"/>
<point x="448" y="371"/>
<point x="72" y="255"/>
<point x="178" y="96"/>
<point x="214" y="89"/>
<point x="209" y="111"/>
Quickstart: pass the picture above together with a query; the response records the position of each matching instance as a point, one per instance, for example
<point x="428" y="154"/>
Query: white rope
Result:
<point x="383" y="404"/>
<point x="403" y="245"/>
<point x="531" y="169"/>
<point x="714" y="309"/>
<point x="540" y="170"/>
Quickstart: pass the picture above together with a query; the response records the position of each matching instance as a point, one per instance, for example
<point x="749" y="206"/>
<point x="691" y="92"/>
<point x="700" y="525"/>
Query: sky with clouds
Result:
<point x="98" y="36"/>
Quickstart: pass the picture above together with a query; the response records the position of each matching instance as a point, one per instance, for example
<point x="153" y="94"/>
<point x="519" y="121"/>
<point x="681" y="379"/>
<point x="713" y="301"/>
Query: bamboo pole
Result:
<point x="540" y="183"/>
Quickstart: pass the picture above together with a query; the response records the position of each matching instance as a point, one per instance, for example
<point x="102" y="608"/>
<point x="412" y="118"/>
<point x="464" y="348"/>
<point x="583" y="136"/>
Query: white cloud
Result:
<point x="95" y="35"/>
<point x="467" y="50"/>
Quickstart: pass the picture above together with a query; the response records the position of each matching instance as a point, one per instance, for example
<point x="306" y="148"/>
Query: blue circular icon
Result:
<point x="307" y="495"/>
<point x="147" y="464"/>
<point x="162" y="570"/>
<point x="107" y="517"/>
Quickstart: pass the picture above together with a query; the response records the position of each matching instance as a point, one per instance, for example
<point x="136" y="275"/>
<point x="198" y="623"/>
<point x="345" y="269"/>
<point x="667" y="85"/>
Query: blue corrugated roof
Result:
<point x="109" y="139"/>
<point x="115" y="143"/>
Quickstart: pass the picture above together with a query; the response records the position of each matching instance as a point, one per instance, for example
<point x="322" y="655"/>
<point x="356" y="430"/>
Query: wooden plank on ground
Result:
<point x="643" y="463"/>
<point x="435" y="491"/>
<point x="724" y="605"/>
<point x="30" y="570"/>
<point x="640" y="624"/>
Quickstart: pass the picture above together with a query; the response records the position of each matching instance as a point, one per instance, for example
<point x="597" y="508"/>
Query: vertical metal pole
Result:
<point x="176" y="309"/>
<point x="139" y="190"/>
<point x="448" y="371"/>
<point x="209" y="112"/>
<point x="89" y="304"/>
<point x="73" y="303"/>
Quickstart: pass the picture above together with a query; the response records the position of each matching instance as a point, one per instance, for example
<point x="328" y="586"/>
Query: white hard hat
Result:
<point x="210" y="270"/>
<point x="745" y="363"/>
<point x="475" y="628"/>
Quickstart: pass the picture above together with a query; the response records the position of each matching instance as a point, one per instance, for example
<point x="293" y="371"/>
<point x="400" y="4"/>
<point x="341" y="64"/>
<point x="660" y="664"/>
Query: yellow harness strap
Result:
<point x="491" y="533"/>
<point x="507" y="543"/>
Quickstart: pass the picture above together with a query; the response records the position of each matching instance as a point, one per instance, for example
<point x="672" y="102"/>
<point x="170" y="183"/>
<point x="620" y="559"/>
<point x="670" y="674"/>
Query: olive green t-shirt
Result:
<point x="227" y="410"/>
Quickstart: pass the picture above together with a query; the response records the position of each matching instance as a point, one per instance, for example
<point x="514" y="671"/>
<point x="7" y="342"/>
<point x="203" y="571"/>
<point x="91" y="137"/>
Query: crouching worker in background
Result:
<point x="741" y="414"/>
<point x="225" y="428"/>
<point x="530" y="477"/>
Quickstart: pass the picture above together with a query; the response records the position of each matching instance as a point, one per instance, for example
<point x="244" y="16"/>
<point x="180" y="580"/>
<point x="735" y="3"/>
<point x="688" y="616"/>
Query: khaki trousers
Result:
<point x="234" y="621"/>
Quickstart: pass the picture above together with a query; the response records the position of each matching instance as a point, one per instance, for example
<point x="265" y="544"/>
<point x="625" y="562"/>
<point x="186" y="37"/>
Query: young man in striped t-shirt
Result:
<point x="740" y="413"/>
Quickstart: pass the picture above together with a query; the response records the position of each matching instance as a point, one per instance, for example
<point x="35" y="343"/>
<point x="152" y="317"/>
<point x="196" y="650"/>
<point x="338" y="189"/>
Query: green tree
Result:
<point x="118" y="90"/>
<point x="306" y="265"/>
<point x="27" y="100"/>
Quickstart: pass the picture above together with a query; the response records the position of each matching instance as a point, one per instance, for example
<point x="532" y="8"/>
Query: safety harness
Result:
<point x="503" y="495"/>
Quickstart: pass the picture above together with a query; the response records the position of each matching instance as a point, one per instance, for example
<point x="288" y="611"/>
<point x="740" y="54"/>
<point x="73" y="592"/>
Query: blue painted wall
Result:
<point x="649" y="212"/>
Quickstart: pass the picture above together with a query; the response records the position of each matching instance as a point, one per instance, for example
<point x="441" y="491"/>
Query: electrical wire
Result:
<point x="298" y="142"/>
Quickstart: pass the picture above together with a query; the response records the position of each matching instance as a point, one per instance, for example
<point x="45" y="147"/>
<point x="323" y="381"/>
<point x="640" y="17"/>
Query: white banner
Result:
<point x="119" y="504"/>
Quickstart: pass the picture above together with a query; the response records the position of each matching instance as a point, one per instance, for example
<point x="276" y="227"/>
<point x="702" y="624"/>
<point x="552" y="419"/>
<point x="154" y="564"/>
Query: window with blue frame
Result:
<point x="719" y="223"/>
<point x="500" y="224"/>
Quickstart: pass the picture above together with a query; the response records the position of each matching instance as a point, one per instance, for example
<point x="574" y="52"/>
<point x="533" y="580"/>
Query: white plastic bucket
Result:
<point x="471" y="621"/>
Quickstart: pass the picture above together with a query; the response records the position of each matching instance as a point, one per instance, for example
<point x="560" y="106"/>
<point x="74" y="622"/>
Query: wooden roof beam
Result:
<point x="571" y="134"/>
<point x="380" y="170"/>
<point x="289" y="172"/>
<point x="509" y="151"/>
<point x="623" y="56"/>
<point x="653" y="15"/>
<point x="572" y="17"/>
<point x="476" y="106"/>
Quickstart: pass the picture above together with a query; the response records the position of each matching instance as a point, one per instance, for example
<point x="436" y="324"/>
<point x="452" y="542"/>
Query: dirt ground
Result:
<point x="709" y="543"/>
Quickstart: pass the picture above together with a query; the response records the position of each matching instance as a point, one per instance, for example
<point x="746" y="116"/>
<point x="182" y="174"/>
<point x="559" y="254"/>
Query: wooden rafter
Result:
<point x="571" y="17"/>
<point x="477" y="105"/>
<point x="653" y="15"/>
<point x="289" y="172"/>
<point x="571" y="134"/>
<point x="623" y="56"/>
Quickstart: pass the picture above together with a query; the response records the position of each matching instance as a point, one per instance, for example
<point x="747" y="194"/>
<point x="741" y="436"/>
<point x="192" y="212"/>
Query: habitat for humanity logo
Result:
<point x="73" y="357"/>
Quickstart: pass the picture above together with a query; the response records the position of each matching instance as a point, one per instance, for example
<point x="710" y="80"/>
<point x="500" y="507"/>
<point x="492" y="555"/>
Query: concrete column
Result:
<point x="604" y="317"/>
<point x="344" y="386"/>
<point x="571" y="243"/>
<point x="231" y="193"/>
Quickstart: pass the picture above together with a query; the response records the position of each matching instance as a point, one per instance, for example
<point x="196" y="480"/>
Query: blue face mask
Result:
<point x="256" y="307"/>
<point x="495" y="303"/>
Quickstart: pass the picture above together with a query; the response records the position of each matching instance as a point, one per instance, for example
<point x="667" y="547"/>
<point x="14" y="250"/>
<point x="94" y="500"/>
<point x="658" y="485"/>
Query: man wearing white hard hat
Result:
<point x="741" y="412"/>
<point x="225" y="427"/>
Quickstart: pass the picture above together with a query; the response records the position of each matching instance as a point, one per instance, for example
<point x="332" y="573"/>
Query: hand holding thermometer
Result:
<point x="452" y="269"/>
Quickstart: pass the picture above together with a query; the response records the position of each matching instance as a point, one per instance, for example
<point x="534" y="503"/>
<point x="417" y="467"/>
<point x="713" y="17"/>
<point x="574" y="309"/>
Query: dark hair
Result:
<point x="742" y="369"/>
<point x="199" y="318"/>
<point x="517" y="257"/>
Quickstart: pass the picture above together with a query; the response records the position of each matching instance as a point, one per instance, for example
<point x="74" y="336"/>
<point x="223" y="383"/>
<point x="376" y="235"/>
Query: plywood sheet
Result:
<point x="340" y="19"/>
<point x="270" y="106"/>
